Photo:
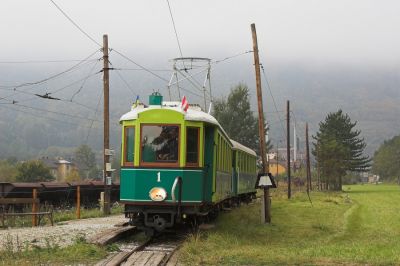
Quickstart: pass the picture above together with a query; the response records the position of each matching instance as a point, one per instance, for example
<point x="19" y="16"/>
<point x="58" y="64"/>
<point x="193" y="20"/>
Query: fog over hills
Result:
<point x="370" y="95"/>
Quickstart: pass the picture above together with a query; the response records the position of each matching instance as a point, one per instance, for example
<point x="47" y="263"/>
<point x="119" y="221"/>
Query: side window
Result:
<point x="129" y="148"/>
<point x="240" y="161"/>
<point x="223" y="154"/>
<point x="219" y="153"/>
<point x="192" y="146"/>
<point x="247" y="163"/>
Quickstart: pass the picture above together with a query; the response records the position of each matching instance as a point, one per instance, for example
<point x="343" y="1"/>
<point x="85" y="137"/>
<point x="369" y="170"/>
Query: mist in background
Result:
<point x="320" y="55"/>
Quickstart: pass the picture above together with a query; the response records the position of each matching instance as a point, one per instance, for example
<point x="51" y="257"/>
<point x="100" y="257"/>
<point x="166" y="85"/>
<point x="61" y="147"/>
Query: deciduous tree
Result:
<point x="387" y="159"/>
<point x="86" y="160"/>
<point x="73" y="176"/>
<point x="236" y="117"/>
<point x="33" y="171"/>
<point x="8" y="171"/>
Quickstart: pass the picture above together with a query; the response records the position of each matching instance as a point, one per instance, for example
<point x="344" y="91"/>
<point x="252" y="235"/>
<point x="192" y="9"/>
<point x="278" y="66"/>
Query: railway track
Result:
<point x="156" y="251"/>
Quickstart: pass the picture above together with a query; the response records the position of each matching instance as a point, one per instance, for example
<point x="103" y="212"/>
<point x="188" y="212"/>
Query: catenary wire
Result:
<point x="75" y="24"/>
<point x="63" y="100"/>
<point x="142" y="67"/>
<point x="176" y="33"/>
<point x="84" y="82"/>
<point x="84" y="79"/>
<point x="54" y="112"/>
<point x="74" y="67"/>
<point x="273" y="99"/>
<point x="122" y="78"/>
<point x="41" y="61"/>
<point x="43" y="117"/>
<point x="95" y="113"/>
<point x="230" y="57"/>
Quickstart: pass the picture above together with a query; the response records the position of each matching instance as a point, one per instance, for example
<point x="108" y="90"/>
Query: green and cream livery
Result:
<point x="178" y="166"/>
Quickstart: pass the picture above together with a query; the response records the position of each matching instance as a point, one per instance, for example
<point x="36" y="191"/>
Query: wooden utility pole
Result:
<point x="309" y="187"/>
<point x="319" y="183"/>
<point x="288" y="148"/>
<point x="78" y="202"/>
<point x="34" y="208"/>
<point x="277" y="159"/>
<point x="106" y="146"/>
<point x="266" y="202"/>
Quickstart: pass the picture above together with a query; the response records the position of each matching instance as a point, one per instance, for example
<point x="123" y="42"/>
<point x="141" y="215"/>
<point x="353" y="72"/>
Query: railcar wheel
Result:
<point x="149" y="232"/>
<point x="160" y="223"/>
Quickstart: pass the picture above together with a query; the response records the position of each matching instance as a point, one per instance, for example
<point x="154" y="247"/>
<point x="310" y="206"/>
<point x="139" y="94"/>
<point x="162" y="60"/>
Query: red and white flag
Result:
<point x="184" y="104"/>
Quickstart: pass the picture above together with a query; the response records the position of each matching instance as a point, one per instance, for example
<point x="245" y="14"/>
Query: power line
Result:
<point x="78" y="103"/>
<point x="95" y="113"/>
<point x="273" y="99"/>
<point x="39" y="116"/>
<point x="46" y="79"/>
<point x="84" y="79"/>
<point x="54" y="112"/>
<point x="40" y="61"/>
<point x="123" y="80"/>
<point x="75" y="24"/>
<point x="26" y="84"/>
<point x="176" y="33"/>
<point x="63" y="100"/>
<point x="84" y="82"/>
<point x="38" y="98"/>
<point x="230" y="57"/>
<point x="142" y="67"/>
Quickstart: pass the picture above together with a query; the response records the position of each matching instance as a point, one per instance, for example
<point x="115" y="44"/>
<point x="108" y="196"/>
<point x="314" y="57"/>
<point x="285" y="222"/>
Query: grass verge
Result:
<point x="78" y="253"/>
<point x="358" y="226"/>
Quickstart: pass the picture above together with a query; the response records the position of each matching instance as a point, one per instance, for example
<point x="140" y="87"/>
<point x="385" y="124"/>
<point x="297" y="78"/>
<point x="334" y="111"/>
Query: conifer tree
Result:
<point x="339" y="149"/>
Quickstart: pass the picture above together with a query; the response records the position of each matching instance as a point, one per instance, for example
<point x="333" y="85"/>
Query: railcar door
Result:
<point x="208" y="161"/>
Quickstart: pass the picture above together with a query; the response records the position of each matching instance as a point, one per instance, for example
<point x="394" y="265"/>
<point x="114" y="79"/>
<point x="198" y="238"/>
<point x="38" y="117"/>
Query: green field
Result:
<point x="357" y="227"/>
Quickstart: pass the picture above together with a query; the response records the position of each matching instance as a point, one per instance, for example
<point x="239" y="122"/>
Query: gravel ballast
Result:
<point x="62" y="235"/>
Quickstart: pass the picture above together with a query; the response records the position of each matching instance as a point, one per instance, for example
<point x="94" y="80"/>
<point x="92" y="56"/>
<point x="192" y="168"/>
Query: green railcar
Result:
<point x="178" y="165"/>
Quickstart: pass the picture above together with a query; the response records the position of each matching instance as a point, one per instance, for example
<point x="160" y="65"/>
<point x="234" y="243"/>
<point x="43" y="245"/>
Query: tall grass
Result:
<point x="79" y="253"/>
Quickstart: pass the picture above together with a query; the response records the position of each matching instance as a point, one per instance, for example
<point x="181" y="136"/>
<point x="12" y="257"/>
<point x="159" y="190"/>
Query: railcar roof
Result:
<point x="192" y="114"/>
<point x="238" y="146"/>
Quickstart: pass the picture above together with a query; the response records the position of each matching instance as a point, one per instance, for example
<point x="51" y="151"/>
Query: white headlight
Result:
<point x="158" y="194"/>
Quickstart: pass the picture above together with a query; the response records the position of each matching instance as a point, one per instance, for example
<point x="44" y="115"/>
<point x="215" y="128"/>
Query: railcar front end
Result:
<point x="178" y="166"/>
<point x="163" y="177"/>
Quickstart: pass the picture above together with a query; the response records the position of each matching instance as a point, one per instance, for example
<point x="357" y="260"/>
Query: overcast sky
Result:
<point x="347" y="35"/>
<point x="338" y="31"/>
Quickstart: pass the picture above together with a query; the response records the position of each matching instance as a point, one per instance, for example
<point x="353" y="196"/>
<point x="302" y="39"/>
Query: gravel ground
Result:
<point x="61" y="235"/>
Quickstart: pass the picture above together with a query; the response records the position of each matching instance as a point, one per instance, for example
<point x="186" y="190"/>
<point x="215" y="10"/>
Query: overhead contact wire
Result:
<point x="176" y="33"/>
<point x="273" y="99"/>
<point x="142" y="67"/>
<point x="54" y="112"/>
<point x="75" y="24"/>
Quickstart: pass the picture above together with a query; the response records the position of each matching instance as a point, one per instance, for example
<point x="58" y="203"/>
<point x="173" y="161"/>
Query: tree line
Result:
<point x="387" y="160"/>
<point x="338" y="147"/>
<point x="35" y="170"/>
